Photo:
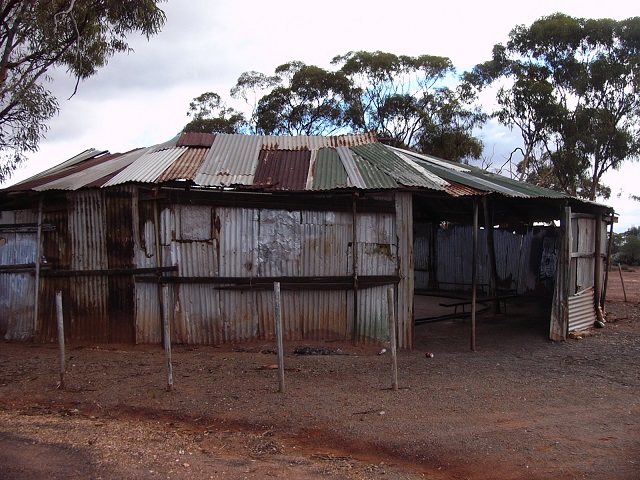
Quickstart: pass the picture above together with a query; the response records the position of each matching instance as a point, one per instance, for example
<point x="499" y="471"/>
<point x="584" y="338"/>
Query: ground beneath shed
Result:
<point x="519" y="407"/>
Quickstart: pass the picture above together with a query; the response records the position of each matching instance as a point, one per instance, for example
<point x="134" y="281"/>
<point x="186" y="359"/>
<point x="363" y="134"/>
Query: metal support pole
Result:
<point x="278" y="321"/>
<point x="474" y="281"/>
<point x="392" y="339"/>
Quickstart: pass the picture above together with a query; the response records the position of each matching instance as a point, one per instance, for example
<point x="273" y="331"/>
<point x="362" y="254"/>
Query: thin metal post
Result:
<point x="474" y="281"/>
<point x="278" y="321"/>
<point x="166" y="330"/>
<point x="392" y="339"/>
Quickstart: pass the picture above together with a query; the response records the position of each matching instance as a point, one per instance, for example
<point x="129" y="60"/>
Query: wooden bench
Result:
<point x="462" y="303"/>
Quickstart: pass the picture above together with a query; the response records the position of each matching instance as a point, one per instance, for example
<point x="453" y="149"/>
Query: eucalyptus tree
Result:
<point x="571" y="86"/>
<point x="406" y="101"/>
<point x="37" y="35"/>
<point x="210" y="114"/>
<point x="298" y="99"/>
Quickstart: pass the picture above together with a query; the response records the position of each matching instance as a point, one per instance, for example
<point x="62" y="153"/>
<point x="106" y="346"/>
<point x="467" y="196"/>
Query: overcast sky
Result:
<point x="141" y="99"/>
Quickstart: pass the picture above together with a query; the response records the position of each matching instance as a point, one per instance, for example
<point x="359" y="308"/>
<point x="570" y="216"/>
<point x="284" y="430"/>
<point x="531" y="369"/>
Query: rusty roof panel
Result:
<point x="315" y="142"/>
<point x="186" y="166"/>
<point x="232" y="160"/>
<point x="327" y="171"/>
<point x="148" y="167"/>
<point x="282" y="169"/>
<point x="458" y="190"/>
<point x="194" y="139"/>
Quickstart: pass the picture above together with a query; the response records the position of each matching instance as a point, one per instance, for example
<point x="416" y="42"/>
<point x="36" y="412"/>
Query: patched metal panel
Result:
<point x="196" y="139"/>
<point x="377" y="244"/>
<point x="279" y="249"/>
<point x="120" y="251"/>
<point x="582" y="313"/>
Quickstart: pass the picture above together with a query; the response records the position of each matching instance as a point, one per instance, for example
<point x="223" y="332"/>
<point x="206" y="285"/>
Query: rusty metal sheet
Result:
<point x="186" y="166"/>
<point x="282" y="170"/>
<point x="196" y="139"/>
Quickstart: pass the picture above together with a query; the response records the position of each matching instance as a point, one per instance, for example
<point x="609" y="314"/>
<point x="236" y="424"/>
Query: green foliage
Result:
<point x="402" y="99"/>
<point x="36" y="35"/>
<point x="211" y="115"/>
<point x="626" y="247"/>
<point x="308" y="101"/>
<point x="572" y="89"/>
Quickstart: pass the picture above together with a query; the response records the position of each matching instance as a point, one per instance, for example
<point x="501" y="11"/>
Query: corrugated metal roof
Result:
<point x="363" y="173"/>
<point x="324" y="164"/>
<point x="193" y="139"/>
<point x="186" y="166"/>
<point x="232" y="160"/>
<point x="398" y="168"/>
<point x="327" y="171"/>
<point x="88" y="175"/>
<point x="148" y="167"/>
<point x="282" y="170"/>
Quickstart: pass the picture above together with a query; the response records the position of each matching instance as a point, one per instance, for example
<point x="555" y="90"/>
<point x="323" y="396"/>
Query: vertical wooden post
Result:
<point x="166" y="334"/>
<point x="37" y="273"/>
<point x="597" y="270"/>
<point x="624" y="291"/>
<point x="163" y="300"/>
<point x="491" y="250"/>
<point x="63" y="355"/>
<point x="474" y="281"/>
<point x="607" y="264"/>
<point x="278" y="321"/>
<point x="392" y="339"/>
<point x="559" y="325"/>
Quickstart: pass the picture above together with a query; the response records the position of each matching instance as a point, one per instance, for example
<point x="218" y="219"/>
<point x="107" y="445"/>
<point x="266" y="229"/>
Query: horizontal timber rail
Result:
<point x="287" y="283"/>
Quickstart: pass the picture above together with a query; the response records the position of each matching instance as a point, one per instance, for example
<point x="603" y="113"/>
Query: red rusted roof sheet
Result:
<point x="193" y="139"/>
<point x="282" y="170"/>
<point x="185" y="167"/>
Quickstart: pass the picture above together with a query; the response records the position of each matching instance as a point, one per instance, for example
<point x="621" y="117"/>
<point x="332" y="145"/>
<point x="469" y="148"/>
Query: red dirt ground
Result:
<point x="519" y="407"/>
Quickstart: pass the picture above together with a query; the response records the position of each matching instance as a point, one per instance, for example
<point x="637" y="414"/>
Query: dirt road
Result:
<point x="519" y="407"/>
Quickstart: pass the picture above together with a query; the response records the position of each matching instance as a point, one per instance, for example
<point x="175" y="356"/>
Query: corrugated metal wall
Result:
<point x="212" y="241"/>
<point x="18" y="288"/>
<point x="525" y="262"/>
